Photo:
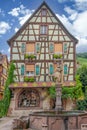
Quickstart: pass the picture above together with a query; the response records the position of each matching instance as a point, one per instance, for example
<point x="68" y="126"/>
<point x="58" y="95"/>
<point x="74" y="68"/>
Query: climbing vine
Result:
<point x="73" y="92"/>
<point x="4" y="103"/>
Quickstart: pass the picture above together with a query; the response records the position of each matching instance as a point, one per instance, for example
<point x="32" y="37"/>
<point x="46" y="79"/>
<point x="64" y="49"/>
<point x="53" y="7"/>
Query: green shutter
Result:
<point x="65" y="69"/>
<point x="37" y="70"/>
<point x="37" y="47"/>
<point x="51" y="48"/>
<point x="65" y="48"/>
<point x="23" y="48"/>
<point x="51" y="69"/>
<point x="22" y="69"/>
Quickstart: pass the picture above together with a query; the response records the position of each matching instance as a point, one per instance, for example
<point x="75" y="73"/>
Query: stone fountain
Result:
<point x="58" y="119"/>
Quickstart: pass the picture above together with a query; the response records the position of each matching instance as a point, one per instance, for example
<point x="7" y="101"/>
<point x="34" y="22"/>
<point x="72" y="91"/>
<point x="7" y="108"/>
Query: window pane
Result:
<point x="65" y="69"/>
<point x="37" y="70"/>
<point x="51" y="69"/>
<point x="51" y="47"/>
<point x="22" y="69"/>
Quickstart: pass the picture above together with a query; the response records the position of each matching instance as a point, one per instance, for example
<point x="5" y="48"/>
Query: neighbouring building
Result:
<point x="36" y="49"/>
<point x="3" y="73"/>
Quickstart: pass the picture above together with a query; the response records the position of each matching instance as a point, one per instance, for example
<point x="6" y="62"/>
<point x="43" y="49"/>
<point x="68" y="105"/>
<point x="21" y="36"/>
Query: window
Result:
<point x="65" y="47"/>
<point x="44" y="12"/>
<point x="65" y="69"/>
<point x="37" y="47"/>
<point x="22" y="69"/>
<point x="51" y="69"/>
<point x="30" y="73"/>
<point x="37" y="70"/>
<point x="51" y="47"/>
<point x="23" y="47"/>
<point x="43" y="29"/>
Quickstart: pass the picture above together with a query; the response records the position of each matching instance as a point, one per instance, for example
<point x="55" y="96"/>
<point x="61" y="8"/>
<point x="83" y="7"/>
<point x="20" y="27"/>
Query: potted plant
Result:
<point x="26" y="56"/>
<point x="26" y="79"/>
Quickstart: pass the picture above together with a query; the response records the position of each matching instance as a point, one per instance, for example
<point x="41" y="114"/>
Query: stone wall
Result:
<point x="14" y="110"/>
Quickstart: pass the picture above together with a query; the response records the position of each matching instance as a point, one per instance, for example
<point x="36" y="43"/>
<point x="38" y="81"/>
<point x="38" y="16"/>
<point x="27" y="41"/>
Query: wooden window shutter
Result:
<point x="23" y="47"/>
<point x="30" y="47"/>
<point x="65" y="48"/>
<point x="22" y="69"/>
<point x="37" y="47"/>
<point x="58" y="47"/>
<point x="65" y="69"/>
<point x="37" y="70"/>
<point x="29" y="67"/>
<point x="51" y="69"/>
<point x="51" y="47"/>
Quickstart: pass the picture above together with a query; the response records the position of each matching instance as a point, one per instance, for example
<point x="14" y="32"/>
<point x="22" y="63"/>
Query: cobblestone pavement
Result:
<point x="6" y="123"/>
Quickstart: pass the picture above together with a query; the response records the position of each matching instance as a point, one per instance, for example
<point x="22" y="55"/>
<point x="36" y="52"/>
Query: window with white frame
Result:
<point x="29" y="73"/>
<point x="43" y="29"/>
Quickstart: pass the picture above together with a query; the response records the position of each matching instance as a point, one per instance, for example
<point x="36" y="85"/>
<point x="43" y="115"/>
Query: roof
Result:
<point x="26" y="23"/>
<point x="38" y="84"/>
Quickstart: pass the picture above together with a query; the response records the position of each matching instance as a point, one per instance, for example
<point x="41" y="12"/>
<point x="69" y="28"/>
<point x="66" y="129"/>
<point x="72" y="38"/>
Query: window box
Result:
<point x="57" y="56"/>
<point x="29" y="79"/>
<point x="29" y="56"/>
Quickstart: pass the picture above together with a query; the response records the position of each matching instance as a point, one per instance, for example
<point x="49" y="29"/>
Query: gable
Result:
<point x="31" y="28"/>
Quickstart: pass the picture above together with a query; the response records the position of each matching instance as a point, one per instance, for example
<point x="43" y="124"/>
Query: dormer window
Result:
<point x="43" y="12"/>
<point x="43" y="29"/>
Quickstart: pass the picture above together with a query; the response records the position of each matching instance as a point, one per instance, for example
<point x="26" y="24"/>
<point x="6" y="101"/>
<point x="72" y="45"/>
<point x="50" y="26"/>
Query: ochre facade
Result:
<point x="34" y="49"/>
<point x="3" y="73"/>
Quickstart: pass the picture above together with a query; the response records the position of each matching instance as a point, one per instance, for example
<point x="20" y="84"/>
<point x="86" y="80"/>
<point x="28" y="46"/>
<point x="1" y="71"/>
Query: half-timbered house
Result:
<point x="36" y="49"/>
<point x="3" y="73"/>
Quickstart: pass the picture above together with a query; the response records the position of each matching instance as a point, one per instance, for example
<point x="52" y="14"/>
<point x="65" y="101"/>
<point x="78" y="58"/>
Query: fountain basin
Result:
<point x="64" y="120"/>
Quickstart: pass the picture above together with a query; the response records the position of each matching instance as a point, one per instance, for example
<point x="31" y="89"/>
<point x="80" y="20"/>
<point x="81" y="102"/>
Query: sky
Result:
<point x="72" y="13"/>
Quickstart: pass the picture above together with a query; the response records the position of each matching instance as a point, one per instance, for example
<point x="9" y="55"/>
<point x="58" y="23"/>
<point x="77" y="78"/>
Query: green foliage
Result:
<point x="4" y="103"/>
<point x="82" y="55"/>
<point x="74" y="92"/>
<point x="29" y="56"/>
<point x="82" y="72"/>
<point x="52" y="92"/>
<point x="82" y="104"/>
<point x="57" y="56"/>
<point x="29" y="79"/>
